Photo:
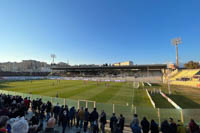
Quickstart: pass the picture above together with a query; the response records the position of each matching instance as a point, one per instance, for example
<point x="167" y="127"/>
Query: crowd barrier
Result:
<point x="157" y="114"/>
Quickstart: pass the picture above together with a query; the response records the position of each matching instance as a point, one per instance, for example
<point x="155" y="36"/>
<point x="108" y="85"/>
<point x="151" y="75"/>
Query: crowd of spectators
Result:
<point x="46" y="118"/>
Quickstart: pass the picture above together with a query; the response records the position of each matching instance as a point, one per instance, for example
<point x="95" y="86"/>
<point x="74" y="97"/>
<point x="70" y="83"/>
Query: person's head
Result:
<point x="95" y="109"/>
<point x="51" y="123"/>
<point x="113" y="114"/>
<point x="171" y="120"/>
<point x="20" y="126"/>
<point x="64" y="112"/>
<point x="3" y="121"/>
<point x="144" y="118"/>
<point x="152" y="121"/>
<point x="86" y="109"/>
<point x="135" y="115"/>
<point x="121" y="115"/>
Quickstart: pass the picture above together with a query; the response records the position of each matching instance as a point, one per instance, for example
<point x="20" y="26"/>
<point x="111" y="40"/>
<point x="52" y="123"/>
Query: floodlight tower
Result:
<point x="176" y="42"/>
<point x="53" y="56"/>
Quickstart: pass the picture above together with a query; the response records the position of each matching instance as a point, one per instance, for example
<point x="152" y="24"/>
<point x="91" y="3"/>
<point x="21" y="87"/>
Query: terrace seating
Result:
<point x="187" y="73"/>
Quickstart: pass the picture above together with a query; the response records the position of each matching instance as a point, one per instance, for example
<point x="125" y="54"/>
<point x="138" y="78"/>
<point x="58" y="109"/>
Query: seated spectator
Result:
<point x="3" y="124"/>
<point x="20" y="126"/>
<point x="50" y="126"/>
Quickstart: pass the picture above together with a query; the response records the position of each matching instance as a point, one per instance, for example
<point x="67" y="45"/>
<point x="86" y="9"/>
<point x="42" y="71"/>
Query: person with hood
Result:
<point x="194" y="128"/>
<point x="3" y="124"/>
<point x="165" y="128"/>
<point x="113" y="123"/>
<point x="172" y="126"/>
<point x="103" y="121"/>
<point x="145" y="125"/>
<point x="154" y="127"/>
<point x="180" y="127"/>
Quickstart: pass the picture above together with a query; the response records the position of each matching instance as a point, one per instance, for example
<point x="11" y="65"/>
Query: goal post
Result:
<point x="86" y="104"/>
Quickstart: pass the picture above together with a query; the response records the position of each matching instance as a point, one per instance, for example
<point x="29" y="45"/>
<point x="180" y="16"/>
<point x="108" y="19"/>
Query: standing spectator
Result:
<point x="145" y="125"/>
<point x="56" y="111"/>
<point x="3" y="124"/>
<point x="94" y="116"/>
<point x="121" y="123"/>
<point x="194" y="128"/>
<point x="113" y="123"/>
<point x="135" y="128"/>
<point x="50" y="126"/>
<point x="64" y="119"/>
<point x="172" y="126"/>
<point x="86" y="119"/>
<point x="165" y="128"/>
<point x="72" y="112"/>
<point x="180" y="127"/>
<point x="154" y="127"/>
<point x="135" y="119"/>
<point x="103" y="121"/>
<point x="81" y="117"/>
<point x="20" y="126"/>
<point x="77" y="118"/>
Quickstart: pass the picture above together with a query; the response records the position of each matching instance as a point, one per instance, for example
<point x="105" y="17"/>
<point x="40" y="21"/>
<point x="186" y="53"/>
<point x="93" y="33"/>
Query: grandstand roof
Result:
<point x="139" y="67"/>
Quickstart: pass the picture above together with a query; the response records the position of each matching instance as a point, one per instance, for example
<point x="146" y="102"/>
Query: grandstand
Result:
<point x="186" y="77"/>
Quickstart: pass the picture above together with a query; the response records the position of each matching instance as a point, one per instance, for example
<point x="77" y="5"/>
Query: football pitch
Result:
<point x="122" y="93"/>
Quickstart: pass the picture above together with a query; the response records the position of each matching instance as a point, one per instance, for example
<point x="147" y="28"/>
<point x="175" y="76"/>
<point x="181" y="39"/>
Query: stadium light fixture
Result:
<point x="53" y="56"/>
<point x="176" y="42"/>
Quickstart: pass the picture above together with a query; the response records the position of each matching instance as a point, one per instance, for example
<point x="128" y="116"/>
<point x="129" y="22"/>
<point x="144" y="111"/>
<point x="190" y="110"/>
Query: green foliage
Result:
<point x="192" y="65"/>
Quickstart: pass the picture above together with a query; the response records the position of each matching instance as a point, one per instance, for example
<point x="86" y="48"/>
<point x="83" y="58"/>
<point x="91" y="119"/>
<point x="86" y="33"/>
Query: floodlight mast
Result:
<point x="53" y="56"/>
<point x="176" y="42"/>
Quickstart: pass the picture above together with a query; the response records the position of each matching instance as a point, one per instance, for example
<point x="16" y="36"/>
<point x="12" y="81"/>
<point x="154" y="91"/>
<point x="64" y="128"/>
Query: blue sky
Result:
<point x="99" y="31"/>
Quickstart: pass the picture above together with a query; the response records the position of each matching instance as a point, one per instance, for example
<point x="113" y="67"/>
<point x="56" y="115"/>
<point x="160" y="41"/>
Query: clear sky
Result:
<point x="99" y="31"/>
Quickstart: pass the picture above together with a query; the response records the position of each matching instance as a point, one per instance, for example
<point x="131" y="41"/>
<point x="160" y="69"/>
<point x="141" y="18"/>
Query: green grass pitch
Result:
<point x="116" y="92"/>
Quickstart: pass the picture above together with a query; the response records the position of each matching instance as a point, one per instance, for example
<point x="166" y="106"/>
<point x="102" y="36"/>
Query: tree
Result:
<point x="192" y="65"/>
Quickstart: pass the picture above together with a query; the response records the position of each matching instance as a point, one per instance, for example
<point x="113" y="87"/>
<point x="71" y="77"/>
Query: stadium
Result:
<point x="99" y="66"/>
<point x="127" y="90"/>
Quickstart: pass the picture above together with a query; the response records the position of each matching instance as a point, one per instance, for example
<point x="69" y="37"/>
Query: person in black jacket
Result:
<point x="121" y="123"/>
<point x="154" y="127"/>
<point x="145" y="125"/>
<point x="103" y="121"/>
<point x="94" y="116"/>
<point x="172" y="126"/>
<point x="86" y="119"/>
<point x="113" y="123"/>
<point x="64" y="120"/>
<point x="165" y="127"/>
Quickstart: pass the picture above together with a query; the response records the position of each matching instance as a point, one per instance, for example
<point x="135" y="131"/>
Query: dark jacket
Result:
<point x="173" y="128"/>
<point x="165" y="127"/>
<point x="103" y="118"/>
<point x="121" y="123"/>
<point x="145" y="125"/>
<point x="50" y="130"/>
<point x="154" y="127"/>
